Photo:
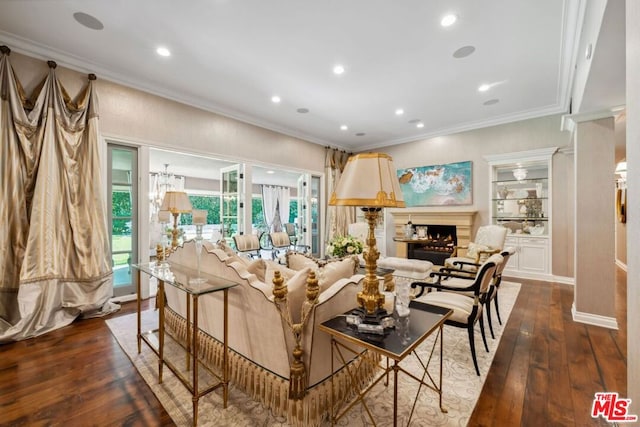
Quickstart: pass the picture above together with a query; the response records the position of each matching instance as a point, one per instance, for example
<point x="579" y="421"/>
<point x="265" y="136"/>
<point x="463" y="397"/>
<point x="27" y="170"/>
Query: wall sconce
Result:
<point x="621" y="169"/>
<point x="520" y="174"/>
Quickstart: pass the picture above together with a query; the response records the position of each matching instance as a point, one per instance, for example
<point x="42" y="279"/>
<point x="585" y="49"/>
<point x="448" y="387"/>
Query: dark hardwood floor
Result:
<point x="545" y="372"/>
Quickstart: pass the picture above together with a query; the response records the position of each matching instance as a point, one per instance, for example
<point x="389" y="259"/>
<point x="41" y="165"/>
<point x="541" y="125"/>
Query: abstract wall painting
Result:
<point x="437" y="185"/>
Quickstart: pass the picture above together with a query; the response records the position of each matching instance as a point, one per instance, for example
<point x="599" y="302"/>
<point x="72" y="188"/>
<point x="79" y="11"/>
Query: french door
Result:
<point x="123" y="219"/>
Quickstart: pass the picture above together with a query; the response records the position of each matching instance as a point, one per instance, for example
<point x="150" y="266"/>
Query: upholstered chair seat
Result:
<point x="465" y="301"/>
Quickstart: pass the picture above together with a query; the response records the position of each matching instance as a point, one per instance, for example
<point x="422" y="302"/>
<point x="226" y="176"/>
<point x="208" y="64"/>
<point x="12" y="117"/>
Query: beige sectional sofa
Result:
<point x="265" y="329"/>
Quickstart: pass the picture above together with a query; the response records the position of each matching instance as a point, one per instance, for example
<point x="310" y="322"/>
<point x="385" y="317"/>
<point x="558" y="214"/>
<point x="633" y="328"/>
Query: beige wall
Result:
<point x="137" y="116"/>
<point x="513" y="137"/>
<point x="595" y="272"/>
<point x="141" y="117"/>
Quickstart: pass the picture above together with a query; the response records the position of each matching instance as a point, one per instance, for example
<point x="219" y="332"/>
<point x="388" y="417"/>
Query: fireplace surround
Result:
<point x="457" y="224"/>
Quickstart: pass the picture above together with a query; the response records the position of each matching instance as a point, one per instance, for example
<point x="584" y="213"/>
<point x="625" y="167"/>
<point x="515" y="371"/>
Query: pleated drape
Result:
<point x="337" y="218"/>
<point x="54" y="254"/>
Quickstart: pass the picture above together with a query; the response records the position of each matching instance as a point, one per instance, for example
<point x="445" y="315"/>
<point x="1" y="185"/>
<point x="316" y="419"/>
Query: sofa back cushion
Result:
<point x="327" y="272"/>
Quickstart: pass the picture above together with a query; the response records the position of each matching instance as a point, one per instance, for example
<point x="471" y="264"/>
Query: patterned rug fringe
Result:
<point x="271" y="390"/>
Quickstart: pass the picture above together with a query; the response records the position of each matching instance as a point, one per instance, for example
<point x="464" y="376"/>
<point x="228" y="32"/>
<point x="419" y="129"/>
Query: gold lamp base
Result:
<point x="370" y="300"/>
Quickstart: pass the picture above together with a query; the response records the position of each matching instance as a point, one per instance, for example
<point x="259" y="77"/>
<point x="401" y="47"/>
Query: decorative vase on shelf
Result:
<point x="503" y="192"/>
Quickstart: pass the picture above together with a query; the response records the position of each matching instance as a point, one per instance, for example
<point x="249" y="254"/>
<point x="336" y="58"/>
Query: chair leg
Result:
<point x="495" y="301"/>
<point x="472" y="345"/>
<point x="484" y="338"/>
<point x="488" y="307"/>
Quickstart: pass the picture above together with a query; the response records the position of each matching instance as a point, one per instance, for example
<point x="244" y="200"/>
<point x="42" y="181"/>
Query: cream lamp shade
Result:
<point x="164" y="217"/>
<point x="176" y="202"/>
<point x="368" y="179"/>
<point x="199" y="217"/>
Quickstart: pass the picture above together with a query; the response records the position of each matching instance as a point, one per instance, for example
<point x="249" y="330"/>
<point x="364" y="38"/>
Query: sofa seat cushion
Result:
<point x="461" y="305"/>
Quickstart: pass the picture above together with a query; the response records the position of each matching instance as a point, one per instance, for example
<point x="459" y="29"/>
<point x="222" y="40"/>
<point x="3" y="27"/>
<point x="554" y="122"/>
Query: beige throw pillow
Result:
<point x="297" y="293"/>
<point x="333" y="271"/>
<point x="475" y="249"/>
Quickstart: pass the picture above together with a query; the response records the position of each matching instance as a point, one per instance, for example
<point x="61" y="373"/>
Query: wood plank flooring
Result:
<point x="545" y="372"/>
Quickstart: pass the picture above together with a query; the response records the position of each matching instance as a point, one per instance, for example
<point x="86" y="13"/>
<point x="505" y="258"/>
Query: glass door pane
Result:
<point x="123" y="216"/>
<point x="315" y="216"/>
<point x="231" y="203"/>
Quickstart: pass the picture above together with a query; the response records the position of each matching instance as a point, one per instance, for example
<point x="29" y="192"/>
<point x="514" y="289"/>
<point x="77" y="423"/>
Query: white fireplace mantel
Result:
<point x="462" y="220"/>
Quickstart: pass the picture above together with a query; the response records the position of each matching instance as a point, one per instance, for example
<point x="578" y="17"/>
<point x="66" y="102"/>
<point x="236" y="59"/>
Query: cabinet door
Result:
<point x="514" y="261"/>
<point x="533" y="255"/>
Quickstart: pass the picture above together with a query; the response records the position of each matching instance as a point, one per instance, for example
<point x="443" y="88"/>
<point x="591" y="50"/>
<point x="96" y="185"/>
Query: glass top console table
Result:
<point x="194" y="284"/>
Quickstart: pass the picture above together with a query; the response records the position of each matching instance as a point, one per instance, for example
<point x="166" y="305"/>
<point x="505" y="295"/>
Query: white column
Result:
<point x="594" y="296"/>
<point x="633" y="213"/>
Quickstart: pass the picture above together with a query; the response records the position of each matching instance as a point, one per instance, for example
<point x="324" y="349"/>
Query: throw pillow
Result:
<point x="298" y="261"/>
<point x="297" y="293"/>
<point x="259" y="268"/>
<point x="272" y="266"/>
<point x="474" y="249"/>
<point x="333" y="271"/>
<point x="226" y="248"/>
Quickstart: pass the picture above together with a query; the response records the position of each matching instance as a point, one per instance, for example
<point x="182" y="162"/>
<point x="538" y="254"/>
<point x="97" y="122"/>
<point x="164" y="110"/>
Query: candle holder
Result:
<point x="199" y="219"/>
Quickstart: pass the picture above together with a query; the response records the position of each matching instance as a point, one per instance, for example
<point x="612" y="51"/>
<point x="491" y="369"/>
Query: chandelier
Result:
<point x="161" y="183"/>
<point x="520" y="174"/>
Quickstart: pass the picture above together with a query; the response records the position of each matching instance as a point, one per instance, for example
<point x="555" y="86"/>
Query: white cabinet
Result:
<point x="531" y="256"/>
<point x="520" y="199"/>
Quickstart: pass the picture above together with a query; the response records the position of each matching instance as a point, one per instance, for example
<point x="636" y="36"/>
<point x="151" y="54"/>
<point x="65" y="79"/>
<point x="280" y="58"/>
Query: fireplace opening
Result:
<point x="438" y="245"/>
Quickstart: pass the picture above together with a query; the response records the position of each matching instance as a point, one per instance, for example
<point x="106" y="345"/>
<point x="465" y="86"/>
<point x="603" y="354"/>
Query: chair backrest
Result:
<point x="280" y="239"/>
<point x="290" y="229"/>
<point x="485" y="273"/>
<point x="246" y="242"/>
<point x="506" y="254"/>
<point x="492" y="236"/>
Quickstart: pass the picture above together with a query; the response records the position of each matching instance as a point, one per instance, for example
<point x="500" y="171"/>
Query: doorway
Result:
<point x="123" y="215"/>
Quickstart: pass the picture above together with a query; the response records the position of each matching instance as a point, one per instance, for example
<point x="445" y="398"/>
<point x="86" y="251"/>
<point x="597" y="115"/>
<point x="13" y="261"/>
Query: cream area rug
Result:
<point x="461" y="385"/>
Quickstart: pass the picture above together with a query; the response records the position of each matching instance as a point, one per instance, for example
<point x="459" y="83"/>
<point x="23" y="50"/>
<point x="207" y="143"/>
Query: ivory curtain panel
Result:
<point x="54" y="242"/>
<point x="338" y="218"/>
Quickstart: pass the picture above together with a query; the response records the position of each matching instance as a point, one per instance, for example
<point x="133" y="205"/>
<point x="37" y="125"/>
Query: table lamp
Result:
<point x="369" y="180"/>
<point x="176" y="202"/>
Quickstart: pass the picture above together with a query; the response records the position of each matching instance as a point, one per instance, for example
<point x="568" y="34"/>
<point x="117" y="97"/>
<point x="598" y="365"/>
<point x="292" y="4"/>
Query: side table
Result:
<point x="193" y="284"/>
<point x="395" y="344"/>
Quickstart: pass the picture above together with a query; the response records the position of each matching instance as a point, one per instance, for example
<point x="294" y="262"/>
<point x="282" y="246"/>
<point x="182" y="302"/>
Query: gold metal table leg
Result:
<point x="139" y="306"/>
<point x="160" y="300"/>
<point x="194" y="354"/>
<point x="225" y="356"/>
<point x="188" y="353"/>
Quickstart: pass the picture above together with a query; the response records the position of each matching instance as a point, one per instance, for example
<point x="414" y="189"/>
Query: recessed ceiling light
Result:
<point x="88" y="21"/>
<point x="338" y="69"/>
<point x="491" y="102"/>
<point x="420" y="125"/>
<point x="464" y="51"/>
<point x="163" y="51"/>
<point x="448" y="20"/>
<point x="344" y="127"/>
<point x="484" y="87"/>
<point x="275" y="99"/>
<point x="399" y="112"/>
<point x="270" y="172"/>
<point x="302" y="110"/>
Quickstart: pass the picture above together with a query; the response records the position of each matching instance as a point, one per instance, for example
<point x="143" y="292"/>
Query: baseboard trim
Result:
<point x="539" y="276"/>
<point x="594" y="319"/>
<point x="622" y="265"/>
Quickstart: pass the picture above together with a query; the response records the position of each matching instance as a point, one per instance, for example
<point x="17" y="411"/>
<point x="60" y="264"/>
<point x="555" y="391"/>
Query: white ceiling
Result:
<point x="231" y="56"/>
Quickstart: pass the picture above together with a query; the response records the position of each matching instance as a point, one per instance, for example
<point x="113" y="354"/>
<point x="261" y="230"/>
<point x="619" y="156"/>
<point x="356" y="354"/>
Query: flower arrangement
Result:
<point x="341" y="246"/>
